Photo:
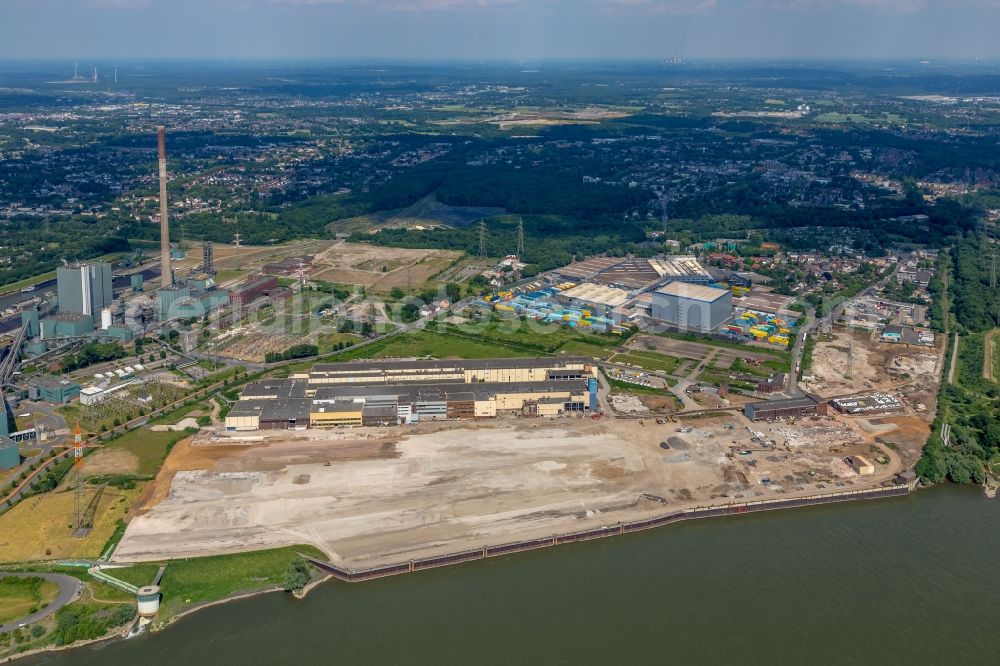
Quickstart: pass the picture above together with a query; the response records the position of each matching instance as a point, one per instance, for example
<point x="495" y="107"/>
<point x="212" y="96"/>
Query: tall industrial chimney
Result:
<point x="167" y="278"/>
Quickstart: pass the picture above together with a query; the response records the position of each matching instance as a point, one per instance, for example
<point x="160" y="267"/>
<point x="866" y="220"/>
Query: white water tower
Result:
<point x="149" y="600"/>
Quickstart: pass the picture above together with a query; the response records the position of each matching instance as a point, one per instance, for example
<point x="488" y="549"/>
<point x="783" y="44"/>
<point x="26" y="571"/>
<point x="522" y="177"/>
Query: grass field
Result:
<point x="427" y="343"/>
<point x="147" y="447"/>
<point x="228" y="274"/>
<point x="39" y="528"/>
<point x="138" y="575"/>
<point x="24" y="596"/>
<point x="533" y="337"/>
<point x="598" y="348"/>
<point x="649" y="361"/>
<point x="191" y="582"/>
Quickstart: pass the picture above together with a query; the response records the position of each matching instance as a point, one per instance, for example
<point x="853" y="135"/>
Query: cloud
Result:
<point x="898" y="5"/>
<point x="666" y="6"/>
<point x="122" y="4"/>
<point x="402" y="5"/>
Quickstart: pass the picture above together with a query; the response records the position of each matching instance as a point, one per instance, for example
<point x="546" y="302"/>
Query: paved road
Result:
<point x="70" y="590"/>
<point x="792" y="379"/>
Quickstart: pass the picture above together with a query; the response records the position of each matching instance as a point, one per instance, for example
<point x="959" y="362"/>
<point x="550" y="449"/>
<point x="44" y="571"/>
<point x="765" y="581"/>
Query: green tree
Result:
<point x="297" y="575"/>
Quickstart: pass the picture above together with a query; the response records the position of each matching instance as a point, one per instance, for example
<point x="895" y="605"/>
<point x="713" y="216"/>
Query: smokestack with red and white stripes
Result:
<point x="167" y="276"/>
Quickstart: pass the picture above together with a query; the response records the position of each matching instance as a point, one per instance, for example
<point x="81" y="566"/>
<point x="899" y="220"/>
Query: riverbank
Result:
<point x="830" y="582"/>
<point x="329" y="570"/>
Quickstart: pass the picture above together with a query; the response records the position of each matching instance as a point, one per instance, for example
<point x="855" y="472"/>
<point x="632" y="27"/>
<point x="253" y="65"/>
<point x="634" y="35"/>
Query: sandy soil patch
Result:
<point x="380" y="268"/>
<point x="183" y="424"/>
<point x="384" y="495"/>
<point x="876" y="366"/>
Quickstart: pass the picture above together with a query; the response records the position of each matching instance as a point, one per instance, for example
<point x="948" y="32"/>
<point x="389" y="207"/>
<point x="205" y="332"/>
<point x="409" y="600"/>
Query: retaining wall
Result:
<point x="357" y="575"/>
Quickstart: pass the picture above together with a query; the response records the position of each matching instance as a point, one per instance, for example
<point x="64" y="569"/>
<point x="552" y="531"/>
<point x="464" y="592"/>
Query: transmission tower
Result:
<point x="302" y="274"/>
<point x="482" y="238"/>
<point x="850" y="352"/>
<point x="78" y="508"/>
<point x="520" y="239"/>
<point x="208" y="257"/>
<point x="370" y="312"/>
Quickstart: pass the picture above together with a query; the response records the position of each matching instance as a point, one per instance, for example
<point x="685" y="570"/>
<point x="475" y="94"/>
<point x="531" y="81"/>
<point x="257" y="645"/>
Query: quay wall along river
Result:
<point x="395" y="569"/>
<point x="907" y="580"/>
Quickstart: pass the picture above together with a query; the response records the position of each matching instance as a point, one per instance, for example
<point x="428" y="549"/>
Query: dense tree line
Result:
<point x="293" y="352"/>
<point x="92" y="353"/>
<point x="976" y="303"/>
<point x="78" y="622"/>
<point x="970" y="405"/>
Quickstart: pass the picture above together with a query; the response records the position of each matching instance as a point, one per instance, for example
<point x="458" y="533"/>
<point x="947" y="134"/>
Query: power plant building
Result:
<point x="54" y="390"/>
<point x="84" y="288"/>
<point x="66" y="325"/>
<point x="10" y="454"/>
<point x="692" y="307"/>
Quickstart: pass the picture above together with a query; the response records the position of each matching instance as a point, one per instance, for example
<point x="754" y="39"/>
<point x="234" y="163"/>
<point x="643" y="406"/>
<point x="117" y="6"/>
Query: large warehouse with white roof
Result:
<point x="692" y="307"/>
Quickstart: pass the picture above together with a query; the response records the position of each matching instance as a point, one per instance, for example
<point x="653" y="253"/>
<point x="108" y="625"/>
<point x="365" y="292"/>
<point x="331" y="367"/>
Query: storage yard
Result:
<point x="376" y="495"/>
<point x="668" y="292"/>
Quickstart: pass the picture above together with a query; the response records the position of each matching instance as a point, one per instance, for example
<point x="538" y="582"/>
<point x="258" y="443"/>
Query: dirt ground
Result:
<point x="253" y="346"/>
<point x="370" y="496"/>
<point x="358" y="263"/>
<point x="337" y="261"/>
<point x="876" y="366"/>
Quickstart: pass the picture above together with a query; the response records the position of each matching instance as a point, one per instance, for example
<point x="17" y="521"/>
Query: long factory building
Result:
<point x="379" y="393"/>
<point x="462" y="371"/>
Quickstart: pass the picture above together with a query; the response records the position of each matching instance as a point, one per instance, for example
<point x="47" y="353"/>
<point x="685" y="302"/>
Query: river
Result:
<point x="912" y="580"/>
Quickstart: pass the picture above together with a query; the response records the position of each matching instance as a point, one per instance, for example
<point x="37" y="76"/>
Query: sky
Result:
<point x="499" y="29"/>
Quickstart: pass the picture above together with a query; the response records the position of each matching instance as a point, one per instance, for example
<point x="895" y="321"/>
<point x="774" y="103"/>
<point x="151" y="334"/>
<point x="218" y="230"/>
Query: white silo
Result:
<point x="105" y="319"/>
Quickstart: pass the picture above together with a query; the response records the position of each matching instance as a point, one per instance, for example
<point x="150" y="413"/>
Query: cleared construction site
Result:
<point x="381" y="462"/>
<point x="374" y="496"/>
